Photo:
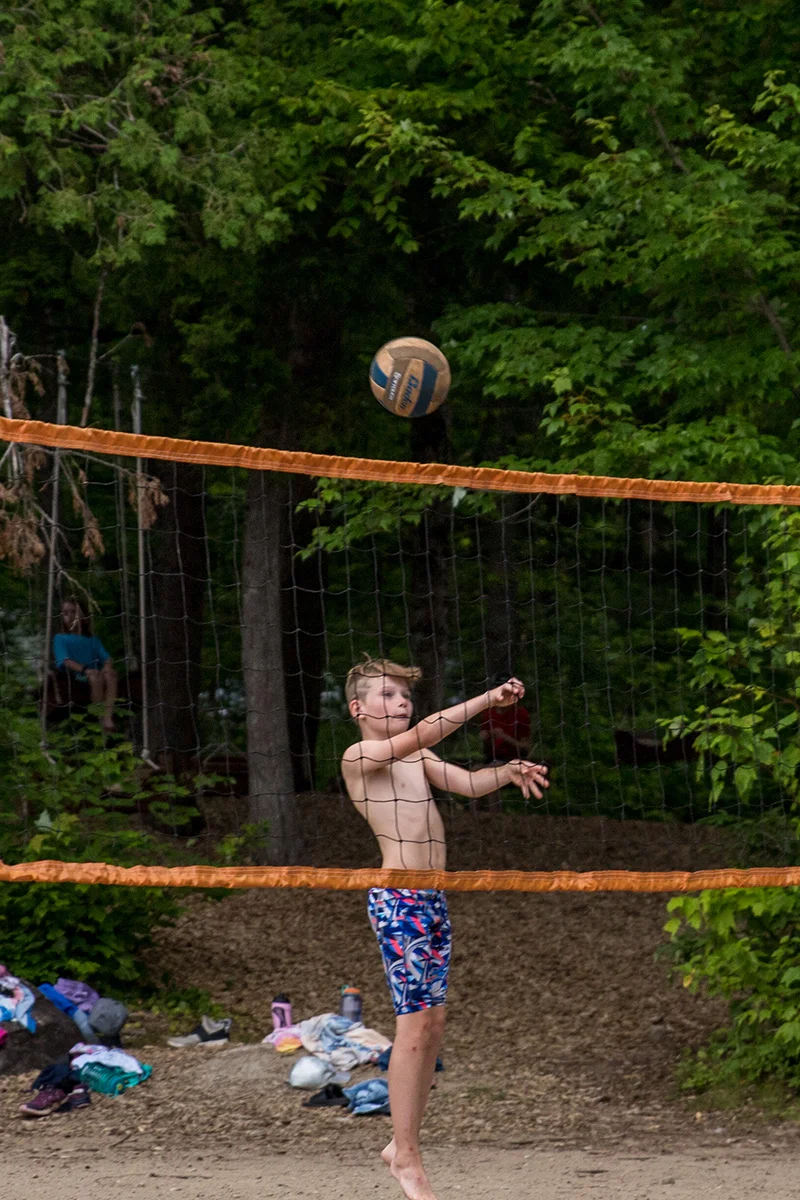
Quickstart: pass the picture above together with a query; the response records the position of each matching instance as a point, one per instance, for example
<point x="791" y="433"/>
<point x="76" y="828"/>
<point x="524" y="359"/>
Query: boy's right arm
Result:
<point x="367" y="756"/>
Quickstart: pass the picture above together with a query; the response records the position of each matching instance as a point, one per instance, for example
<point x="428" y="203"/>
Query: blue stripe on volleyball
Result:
<point x="429" y="376"/>
<point x="376" y="374"/>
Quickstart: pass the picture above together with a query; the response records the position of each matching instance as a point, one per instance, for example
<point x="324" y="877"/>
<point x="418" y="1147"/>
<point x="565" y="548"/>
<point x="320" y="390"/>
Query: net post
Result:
<point x="122" y="523"/>
<point x="136" y="414"/>
<point x="7" y="341"/>
<point x="52" y="562"/>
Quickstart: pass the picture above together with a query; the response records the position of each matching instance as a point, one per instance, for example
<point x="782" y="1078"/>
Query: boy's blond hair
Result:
<point x="374" y="668"/>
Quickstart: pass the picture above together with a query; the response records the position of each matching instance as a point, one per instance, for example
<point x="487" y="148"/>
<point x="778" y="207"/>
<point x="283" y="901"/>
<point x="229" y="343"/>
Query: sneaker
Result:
<point x="43" y="1103"/>
<point x="207" y="1033"/>
<point x="331" y="1096"/>
<point x="78" y="1098"/>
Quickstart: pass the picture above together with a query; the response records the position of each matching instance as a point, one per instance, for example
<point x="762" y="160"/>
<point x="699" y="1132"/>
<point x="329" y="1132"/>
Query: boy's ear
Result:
<point x="354" y="708"/>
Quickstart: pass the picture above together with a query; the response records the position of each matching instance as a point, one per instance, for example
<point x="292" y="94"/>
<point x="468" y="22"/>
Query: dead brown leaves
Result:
<point x="146" y="494"/>
<point x="20" y="541"/>
<point x="25" y="533"/>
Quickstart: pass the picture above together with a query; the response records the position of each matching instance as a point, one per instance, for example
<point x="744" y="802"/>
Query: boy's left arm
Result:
<point x="529" y="777"/>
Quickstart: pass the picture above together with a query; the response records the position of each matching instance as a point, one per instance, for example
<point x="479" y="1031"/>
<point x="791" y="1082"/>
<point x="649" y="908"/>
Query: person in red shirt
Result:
<point x="505" y="733"/>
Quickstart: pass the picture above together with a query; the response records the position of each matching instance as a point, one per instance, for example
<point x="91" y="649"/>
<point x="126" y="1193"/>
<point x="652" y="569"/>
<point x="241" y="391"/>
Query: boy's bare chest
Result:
<point x="402" y="780"/>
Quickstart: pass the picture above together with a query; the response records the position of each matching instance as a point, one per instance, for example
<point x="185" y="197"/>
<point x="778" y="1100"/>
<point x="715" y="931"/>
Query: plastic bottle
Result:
<point x="350" y="1006"/>
<point x="281" y="1012"/>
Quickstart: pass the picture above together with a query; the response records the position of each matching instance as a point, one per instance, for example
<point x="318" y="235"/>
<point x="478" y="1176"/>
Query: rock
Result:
<point x="658" y="1029"/>
<point x="22" y="1051"/>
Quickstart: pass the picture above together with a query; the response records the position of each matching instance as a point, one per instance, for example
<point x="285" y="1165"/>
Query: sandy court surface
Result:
<point x="478" y="1172"/>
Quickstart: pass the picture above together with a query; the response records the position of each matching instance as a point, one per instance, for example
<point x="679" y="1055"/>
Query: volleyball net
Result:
<point x="653" y="623"/>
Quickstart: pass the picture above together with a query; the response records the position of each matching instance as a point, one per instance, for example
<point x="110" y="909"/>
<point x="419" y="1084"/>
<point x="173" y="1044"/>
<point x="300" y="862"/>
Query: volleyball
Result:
<point x="410" y="377"/>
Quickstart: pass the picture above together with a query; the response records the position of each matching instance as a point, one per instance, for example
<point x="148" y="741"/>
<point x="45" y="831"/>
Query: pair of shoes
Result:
<point x="78" y="1098"/>
<point x="45" y="1101"/>
<point x="208" y="1033"/>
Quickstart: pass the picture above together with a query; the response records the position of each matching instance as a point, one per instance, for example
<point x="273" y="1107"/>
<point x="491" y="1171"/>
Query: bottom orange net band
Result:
<point x="338" y="879"/>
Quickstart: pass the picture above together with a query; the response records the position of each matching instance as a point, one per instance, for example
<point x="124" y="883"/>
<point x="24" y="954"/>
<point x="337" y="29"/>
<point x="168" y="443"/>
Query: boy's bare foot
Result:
<point x="412" y="1179"/>
<point x="388" y="1153"/>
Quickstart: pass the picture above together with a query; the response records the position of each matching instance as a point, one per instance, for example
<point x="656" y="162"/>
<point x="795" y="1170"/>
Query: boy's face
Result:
<point x="385" y="706"/>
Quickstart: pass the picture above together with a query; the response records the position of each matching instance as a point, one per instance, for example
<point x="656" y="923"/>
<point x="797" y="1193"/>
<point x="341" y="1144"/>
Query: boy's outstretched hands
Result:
<point x="529" y="777"/>
<point x="506" y="694"/>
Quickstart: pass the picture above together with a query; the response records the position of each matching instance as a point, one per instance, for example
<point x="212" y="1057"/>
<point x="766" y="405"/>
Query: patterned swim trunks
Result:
<point x="413" y="931"/>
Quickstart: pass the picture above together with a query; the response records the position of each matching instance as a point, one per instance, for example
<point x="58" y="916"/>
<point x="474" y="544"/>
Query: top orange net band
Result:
<point x="103" y="441"/>
<point x="299" y="462"/>
<point x="341" y="880"/>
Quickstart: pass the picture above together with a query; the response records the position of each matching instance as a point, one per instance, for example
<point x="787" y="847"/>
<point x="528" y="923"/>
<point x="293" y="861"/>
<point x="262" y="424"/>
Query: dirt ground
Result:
<point x="564" y="1034"/>
<point x="481" y="1173"/>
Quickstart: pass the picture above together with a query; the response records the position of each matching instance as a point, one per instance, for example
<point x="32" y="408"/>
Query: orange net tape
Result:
<point x="337" y="879"/>
<point x="299" y="462"/>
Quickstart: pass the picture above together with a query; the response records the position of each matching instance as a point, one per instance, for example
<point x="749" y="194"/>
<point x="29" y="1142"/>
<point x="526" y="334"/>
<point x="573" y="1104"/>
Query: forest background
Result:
<point x="592" y="208"/>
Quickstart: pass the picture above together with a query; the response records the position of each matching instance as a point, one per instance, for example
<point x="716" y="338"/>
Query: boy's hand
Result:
<point x="529" y="777"/>
<point x="507" y="694"/>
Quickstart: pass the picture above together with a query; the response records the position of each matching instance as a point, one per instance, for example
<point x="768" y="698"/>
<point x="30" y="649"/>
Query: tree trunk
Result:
<point x="272" y="797"/>
<point x="303" y="634"/>
<point x="281" y="655"/>
<point x="431" y="551"/>
<point x="177" y="599"/>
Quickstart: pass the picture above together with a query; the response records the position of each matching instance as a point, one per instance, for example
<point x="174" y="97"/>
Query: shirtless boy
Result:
<point x="389" y="774"/>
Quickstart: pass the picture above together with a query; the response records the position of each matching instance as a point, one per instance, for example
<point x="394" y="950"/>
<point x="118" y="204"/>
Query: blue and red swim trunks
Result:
<point x="413" y="931"/>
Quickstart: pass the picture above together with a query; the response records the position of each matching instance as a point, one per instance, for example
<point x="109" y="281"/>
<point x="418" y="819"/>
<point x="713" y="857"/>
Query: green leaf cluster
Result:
<point x="742" y="945"/>
<point x="746" y="719"/>
<point x="94" y="932"/>
<point x="78" y="801"/>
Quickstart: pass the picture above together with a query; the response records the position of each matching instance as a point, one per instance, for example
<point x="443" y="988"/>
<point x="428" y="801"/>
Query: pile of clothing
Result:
<point x="16" y="1001"/>
<point x="97" y="1018"/>
<point x="342" y="1043"/>
<point x="65" y="1085"/>
<point x="334" y="1046"/>
<point x="95" y="1063"/>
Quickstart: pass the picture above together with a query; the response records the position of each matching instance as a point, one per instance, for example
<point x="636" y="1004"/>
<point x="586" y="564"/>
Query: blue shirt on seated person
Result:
<point x="88" y="651"/>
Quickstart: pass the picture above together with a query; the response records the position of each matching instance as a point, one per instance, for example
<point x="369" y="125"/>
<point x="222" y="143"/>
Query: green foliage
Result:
<point x="77" y="802"/>
<point x="248" y="845"/>
<point x="77" y="780"/>
<point x="630" y="198"/>
<point x="70" y="804"/>
<point x="94" y="932"/>
<point x="743" y="945"/>
<point x="182" y="1005"/>
<point x="747" y="675"/>
<point x="351" y="511"/>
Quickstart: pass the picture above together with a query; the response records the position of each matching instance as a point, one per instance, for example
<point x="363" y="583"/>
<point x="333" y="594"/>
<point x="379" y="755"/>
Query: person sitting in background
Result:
<point x="505" y="733"/>
<point x="79" y="653"/>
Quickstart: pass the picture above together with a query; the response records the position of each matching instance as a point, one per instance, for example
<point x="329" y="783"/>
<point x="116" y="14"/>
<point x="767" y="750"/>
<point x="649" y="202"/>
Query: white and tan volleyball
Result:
<point x="410" y="377"/>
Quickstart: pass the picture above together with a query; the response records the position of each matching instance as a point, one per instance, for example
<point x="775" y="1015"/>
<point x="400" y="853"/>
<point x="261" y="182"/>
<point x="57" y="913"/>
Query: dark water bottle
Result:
<point x="350" y="1006"/>
<point x="281" y="1012"/>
